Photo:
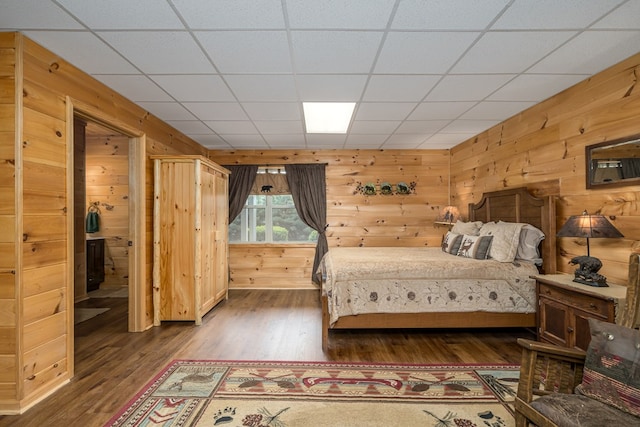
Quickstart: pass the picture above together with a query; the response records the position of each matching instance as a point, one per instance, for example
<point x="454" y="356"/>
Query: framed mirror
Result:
<point x="613" y="163"/>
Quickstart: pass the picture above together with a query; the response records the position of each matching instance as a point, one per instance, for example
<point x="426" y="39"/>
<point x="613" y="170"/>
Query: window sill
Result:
<point x="273" y="245"/>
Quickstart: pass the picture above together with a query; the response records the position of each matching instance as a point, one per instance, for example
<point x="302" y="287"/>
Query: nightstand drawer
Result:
<point x="582" y="302"/>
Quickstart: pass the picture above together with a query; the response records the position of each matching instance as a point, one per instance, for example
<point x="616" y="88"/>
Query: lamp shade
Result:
<point x="448" y="214"/>
<point x="588" y="226"/>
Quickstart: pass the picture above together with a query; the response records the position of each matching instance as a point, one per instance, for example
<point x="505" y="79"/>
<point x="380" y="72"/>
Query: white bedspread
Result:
<point x="411" y="280"/>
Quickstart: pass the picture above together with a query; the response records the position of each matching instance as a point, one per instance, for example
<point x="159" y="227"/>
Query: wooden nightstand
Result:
<point x="565" y="306"/>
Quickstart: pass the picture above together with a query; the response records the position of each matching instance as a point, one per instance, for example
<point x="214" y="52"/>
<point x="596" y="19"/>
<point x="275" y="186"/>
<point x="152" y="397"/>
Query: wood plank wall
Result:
<point x="35" y="311"/>
<point x="544" y="148"/>
<point x="8" y="216"/>
<point x="107" y="164"/>
<point x="354" y="219"/>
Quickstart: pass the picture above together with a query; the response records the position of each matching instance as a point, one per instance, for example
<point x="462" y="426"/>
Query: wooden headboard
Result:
<point x="518" y="205"/>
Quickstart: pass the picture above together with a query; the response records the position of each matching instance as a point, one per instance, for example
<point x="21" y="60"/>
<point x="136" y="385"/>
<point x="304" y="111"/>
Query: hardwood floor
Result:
<point x="111" y="365"/>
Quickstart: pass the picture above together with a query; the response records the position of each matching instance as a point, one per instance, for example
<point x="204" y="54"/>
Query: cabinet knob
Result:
<point x="570" y="329"/>
<point x="592" y="305"/>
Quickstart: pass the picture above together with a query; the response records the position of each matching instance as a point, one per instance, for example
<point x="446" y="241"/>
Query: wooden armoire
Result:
<point x="190" y="241"/>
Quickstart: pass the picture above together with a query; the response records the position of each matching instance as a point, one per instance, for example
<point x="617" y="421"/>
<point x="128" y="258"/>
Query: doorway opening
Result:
<point x="101" y="220"/>
<point x="108" y="181"/>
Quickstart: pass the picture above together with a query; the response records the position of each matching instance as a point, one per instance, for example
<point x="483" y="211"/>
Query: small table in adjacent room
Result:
<point x="565" y="306"/>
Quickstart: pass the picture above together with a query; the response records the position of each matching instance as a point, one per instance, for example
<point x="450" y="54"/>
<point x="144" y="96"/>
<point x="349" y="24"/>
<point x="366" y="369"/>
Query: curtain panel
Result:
<point x="241" y="180"/>
<point x="308" y="190"/>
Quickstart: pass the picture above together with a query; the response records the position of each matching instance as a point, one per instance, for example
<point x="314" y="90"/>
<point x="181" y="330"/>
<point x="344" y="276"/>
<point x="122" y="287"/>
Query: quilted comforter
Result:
<point x="412" y="280"/>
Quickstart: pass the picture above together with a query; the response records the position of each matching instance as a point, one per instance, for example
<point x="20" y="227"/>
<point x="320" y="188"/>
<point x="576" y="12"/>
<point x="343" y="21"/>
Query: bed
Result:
<point x="427" y="287"/>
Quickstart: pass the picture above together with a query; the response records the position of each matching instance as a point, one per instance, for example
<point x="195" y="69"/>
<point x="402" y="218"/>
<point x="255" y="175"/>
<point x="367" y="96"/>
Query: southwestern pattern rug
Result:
<point x="199" y="393"/>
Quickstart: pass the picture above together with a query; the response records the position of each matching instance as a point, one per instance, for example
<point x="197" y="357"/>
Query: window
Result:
<point x="270" y="219"/>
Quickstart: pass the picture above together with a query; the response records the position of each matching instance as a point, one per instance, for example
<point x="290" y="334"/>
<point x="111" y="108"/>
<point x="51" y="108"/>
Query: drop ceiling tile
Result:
<point x="216" y="110"/>
<point x="319" y="141"/>
<point x="231" y="14"/>
<point x="262" y="87"/>
<point x="399" y="88"/>
<point x="272" y="110"/>
<point x="135" y="88"/>
<point x="471" y="127"/>
<point x="365" y="141"/>
<point x="422" y="126"/>
<point x="496" y="110"/>
<point x="328" y="87"/>
<point x="334" y="51"/>
<point x="383" y="110"/>
<point x="553" y="14"/>
<point x="444" y="140"/>
<point x="535" y="87"/>
<point x="292" y="141"/>
<point x="211" y="141"/>
<point x="340" y="14"/>
<point x="83" y="50"/>
<point x="195" y="88"/>
<point x="504" y="52"/>
<point x="440" y="110"/>
<point x="19" y="15"/>
<point x="247" y="51"/>
<point x="374" y="126"/>
<point x="446" y="14"/>
<point x="190" y="127"/>
<point x="604" y="49"/>
<point x="123" y="14"/>
<point x="167" y="110"/>
<point x="280" y="127"/>
<point x="400" y="52"/>
<point x="468" y="88"/>
<point x="160" y="52"/>
<point x="246" y="141"/>
<point x="404" y="141"/>
<point x="624" y="17"/>
<point x="232" y="127"/>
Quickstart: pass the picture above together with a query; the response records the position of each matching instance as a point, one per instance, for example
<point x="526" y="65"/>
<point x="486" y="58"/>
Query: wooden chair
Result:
<point x="629" y="317"/>
<point x="545" y="369"/>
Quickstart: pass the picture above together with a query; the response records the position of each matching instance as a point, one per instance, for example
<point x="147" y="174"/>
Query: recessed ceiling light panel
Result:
<point x="328" y="117"/>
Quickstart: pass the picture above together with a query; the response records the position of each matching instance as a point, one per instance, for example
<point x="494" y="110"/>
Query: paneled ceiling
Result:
<point x="232" y="74"/>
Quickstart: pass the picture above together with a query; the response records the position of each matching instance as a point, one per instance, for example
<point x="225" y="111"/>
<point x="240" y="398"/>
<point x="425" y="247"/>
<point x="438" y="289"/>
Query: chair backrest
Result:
<point x="629" y="317"/>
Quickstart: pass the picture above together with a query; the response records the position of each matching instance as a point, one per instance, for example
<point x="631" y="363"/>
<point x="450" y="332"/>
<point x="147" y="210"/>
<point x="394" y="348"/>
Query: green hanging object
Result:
<point x="93" y="220"/>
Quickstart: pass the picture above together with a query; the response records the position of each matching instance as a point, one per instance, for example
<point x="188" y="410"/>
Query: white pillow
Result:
<point x="469" y="228"/>
<point x="530" y="238"/>
<point x="506" y="236"/>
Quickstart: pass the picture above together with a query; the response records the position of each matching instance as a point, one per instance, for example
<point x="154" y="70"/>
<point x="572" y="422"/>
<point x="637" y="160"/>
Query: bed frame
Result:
<point x="512" y="205"/>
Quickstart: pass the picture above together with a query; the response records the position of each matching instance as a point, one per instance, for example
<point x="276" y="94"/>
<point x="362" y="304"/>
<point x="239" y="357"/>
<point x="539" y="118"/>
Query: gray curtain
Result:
<point x="308" y="190"/>
<point x="630" y="168"/>
<point x="240" y="182"/>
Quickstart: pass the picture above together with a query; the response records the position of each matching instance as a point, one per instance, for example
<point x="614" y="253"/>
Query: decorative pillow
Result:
<point x="475" y="246"/>
<point x="612" y="367"/>
<point x="506" y="236"/>
<point x="530" y="238"/>
<point x="451" y="242"/>
<point x="468" y="228"/>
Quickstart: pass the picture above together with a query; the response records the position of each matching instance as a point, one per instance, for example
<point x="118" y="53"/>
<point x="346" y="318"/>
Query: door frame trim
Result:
<point x="136" y="240"/>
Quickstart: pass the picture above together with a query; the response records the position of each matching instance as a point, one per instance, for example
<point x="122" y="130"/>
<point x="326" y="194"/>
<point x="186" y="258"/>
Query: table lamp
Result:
<point x="589" y="227"/>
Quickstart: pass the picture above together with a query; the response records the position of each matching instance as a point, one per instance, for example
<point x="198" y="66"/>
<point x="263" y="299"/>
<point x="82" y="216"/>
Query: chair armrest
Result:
<point x="547" y="368"/>
<point x="552" y="350"/>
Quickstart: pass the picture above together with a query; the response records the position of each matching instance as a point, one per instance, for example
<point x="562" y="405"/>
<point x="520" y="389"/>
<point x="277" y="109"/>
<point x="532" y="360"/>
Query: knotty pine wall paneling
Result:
<point x="9" y="88"/>
<point x="36" y="272"/>
<point x="354" y="219"/>
<point x="544" y="148"/>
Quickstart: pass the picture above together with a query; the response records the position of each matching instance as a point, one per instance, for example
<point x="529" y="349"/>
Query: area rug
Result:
<point x="81" y="314"/>
<point x="202" y="393"/>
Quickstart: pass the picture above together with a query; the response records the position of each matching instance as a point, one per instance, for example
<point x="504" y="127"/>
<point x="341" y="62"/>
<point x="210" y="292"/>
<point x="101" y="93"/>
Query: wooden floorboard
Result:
<point x="113" y="364"/>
